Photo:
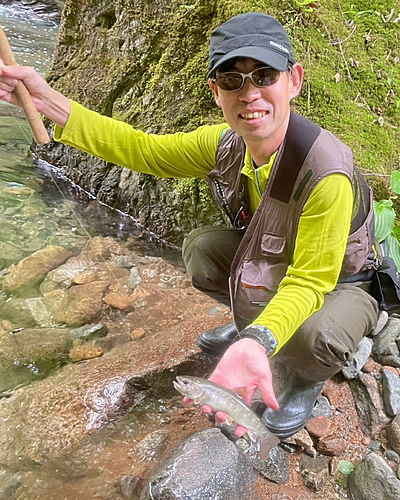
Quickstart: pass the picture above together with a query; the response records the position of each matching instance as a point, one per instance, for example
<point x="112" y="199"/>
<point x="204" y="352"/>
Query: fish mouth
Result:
<point x="179" y="385"/>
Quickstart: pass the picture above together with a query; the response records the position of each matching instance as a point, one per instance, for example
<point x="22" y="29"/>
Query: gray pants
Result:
<point x="324" y="342"/>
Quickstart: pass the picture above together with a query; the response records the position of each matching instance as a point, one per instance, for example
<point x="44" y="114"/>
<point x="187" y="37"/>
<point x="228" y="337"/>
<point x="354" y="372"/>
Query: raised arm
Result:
<point x="47" y="101"/>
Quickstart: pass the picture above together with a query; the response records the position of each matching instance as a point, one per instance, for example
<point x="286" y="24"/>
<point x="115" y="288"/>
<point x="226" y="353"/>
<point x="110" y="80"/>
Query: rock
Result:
<point x="322" y="408"/>
<point x="391" y="392"/>
<point x="81" y="304"/>
<point x="373" y="479"/>
<point x="302" y="439"/>
<point x="9" y="484"/>
<point x="275" y="468"/>
<point x="393" y="456"/>
<point x="83" y="278"/>
<point x="98" y="249"/>
<point x="289" y="493"/>
<point x="368" y="403"/>
<point x="62" y="276"/>
<point x="135" y="278"/>
<point x="314" y="471"/>
<point x="394" y="434"/>
<point x="385" y="348"/>
<point x="125" y="261"/>
<point x="130" y="487"/>
<point x="331" y="446"/>
<point x="369" y="366"/>
<point x="89" y="332"/>
<point x="359" y="358"/>
<point x="319" y="427"/>
<point x="27" y="312"/>
<point x="153" y="445"/>
<point x="222" y="473"/>
<point x="81" y="352"/>
<point x="30" y="271"/>
<point x="118" y="301"/>
<point x="138" y="333"/>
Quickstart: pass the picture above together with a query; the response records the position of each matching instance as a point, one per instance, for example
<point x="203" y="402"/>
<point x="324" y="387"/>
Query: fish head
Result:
<point x="189" y="386"/>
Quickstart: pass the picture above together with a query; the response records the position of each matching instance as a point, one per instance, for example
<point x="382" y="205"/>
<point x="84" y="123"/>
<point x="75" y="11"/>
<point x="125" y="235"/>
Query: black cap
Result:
<point x="255" y="35"/>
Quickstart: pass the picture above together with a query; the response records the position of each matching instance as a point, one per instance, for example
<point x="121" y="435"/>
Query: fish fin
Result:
<point x="266" y="445"/>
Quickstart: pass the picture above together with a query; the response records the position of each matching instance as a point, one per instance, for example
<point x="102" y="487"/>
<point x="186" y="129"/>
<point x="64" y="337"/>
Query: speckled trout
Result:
<point x="205" y="392"/>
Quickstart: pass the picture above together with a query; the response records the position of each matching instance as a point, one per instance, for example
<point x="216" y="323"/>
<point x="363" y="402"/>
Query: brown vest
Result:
<point x="307" y="155"/>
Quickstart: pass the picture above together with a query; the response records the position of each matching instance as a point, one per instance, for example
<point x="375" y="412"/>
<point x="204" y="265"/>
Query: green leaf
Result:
<point x="395" y="181"/>
<point x="394" y="249"/>
<point x="384" y="219"/>
<point x="345" y="467"/>
<point x="396" y="232"/>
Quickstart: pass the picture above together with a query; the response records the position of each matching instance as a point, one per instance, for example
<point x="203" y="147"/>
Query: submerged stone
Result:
<point x="204" y="466"/>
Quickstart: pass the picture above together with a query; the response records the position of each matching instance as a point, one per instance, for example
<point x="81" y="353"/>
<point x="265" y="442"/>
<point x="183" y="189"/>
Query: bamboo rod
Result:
<point x="38" y="129"/>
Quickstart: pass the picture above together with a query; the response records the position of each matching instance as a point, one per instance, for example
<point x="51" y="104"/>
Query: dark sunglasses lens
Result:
<point x="264" y="77"/>
<point x="229" y="81"/>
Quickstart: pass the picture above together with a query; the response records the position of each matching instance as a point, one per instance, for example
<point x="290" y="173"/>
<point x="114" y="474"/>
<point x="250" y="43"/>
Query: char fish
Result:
<point x="205" y="392"/>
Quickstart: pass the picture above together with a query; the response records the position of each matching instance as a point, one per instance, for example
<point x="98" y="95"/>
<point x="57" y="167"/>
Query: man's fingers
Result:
<point x="207" y="409"/>
<point x="269" y="395"/>
<point x="240" y="431"/>
<point x="187" y="401"/>
<point x="220" y="418"/>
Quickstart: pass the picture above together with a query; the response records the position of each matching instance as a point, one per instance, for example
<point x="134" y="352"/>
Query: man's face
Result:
<point x="259" y="113"/>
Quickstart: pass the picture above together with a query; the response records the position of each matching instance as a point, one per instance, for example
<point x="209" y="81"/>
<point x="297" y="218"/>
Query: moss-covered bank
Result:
<point x="145" y="61"/>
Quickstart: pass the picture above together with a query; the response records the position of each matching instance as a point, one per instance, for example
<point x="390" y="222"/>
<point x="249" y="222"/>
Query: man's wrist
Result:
<point x="262" y="335"/>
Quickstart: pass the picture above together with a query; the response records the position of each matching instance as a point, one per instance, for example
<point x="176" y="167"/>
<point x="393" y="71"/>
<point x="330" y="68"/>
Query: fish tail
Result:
<point x="266" y="445"/>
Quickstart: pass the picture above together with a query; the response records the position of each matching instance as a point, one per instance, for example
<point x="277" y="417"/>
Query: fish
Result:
<point x="205" y="392"/>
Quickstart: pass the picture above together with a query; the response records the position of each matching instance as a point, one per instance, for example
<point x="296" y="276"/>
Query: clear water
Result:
<point x="38" y="207"/>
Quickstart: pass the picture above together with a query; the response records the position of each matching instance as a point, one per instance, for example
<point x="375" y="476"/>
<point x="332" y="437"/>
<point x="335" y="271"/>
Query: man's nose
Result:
<point x="249" y="92"/>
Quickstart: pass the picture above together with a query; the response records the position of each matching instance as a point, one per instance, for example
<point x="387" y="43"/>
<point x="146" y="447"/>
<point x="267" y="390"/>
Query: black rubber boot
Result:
<point x="296" y="402"/>
<point x="217" y="340"/>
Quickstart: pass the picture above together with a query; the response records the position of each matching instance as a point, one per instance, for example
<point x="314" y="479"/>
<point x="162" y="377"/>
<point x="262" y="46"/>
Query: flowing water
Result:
<point x="38" y="208"/>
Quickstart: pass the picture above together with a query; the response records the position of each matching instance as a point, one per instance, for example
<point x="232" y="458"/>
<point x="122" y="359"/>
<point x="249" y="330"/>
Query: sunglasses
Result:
<point x="231" y="81"/>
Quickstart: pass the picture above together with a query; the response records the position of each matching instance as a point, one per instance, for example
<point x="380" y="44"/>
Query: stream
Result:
<point x="47" y="388"/>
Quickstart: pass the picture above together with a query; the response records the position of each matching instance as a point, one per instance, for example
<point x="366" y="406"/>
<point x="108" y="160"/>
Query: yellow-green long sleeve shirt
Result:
<point x="324" y="223"/>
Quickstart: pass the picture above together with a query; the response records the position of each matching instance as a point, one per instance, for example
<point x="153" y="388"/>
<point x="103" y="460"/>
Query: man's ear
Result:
<point x="214" y="87"/>
<point x="296" y="77"/>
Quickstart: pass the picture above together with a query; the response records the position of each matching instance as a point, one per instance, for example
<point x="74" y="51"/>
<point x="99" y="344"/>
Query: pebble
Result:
<point x="118" y="301"/>
<point x="86" y="351"/>
<point x="391" y="391"/>
<point x="130" y="487"/>
<point x="375" y="445"/>
<point x="331" y="446"/>
<point x="320" y="427"/>
<point x="322" y="407"/>
<point x="393" y="456"/>
<point x="359" y="358"/>
<point x="138" y="333"/>
<point x="369" y="366"/>
<point x="314" y="472"/>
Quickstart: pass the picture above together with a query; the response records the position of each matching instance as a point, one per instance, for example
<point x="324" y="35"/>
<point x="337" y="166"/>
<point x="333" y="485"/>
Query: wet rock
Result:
<point x="118" y="301"/>
<point x="62" y="276"/>
<point x="322" y="408"/>
<point x="289" y="493"/>
<point x="391" y="392"/>
<point x="81" y="352"/>
<point x="135" y="278"/>
<point x="89" y="332"/>
<point x="394" y="434"/>
<point x="331" y="446"/>
<point x="81" y="398"/>
<point x="9" y="484"/>
<point x="98" y="249"/>
<point x="27" y="312"/>
<point x="319" y="427"/>
<point x="359" y="358"/>
<point x="125" y="261"/>
<point x="373" y="479"/>
<point x="385" y="348"/>
<point x="83" y="278"/>
<point x="130" y="487"/>
<point x="314" y="471"/>
<point x="31" y="354"/>
<point x="153" y="445"/>
<point x="222" y="472"/>
<point x="81" y="304"/>
<point x="275" y="468"/>
<point x="30" y="271"/>
<point x="368" y="403"/>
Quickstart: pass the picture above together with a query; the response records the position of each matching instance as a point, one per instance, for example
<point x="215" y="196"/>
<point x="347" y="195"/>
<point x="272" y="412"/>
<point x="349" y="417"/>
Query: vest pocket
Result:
<point x="273" y="245"/>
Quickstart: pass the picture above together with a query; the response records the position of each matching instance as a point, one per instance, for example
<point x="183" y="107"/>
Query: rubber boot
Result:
<point x="296" y="402"/>
<point x="217" y="340"/>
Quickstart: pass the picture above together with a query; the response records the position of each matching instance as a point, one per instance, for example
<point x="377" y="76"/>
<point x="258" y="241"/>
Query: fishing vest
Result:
<point x="307" y="155"/>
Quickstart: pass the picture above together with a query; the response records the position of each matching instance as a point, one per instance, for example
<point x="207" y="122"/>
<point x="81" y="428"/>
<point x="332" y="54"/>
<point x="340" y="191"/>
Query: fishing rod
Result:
<point x="38" y="129"/>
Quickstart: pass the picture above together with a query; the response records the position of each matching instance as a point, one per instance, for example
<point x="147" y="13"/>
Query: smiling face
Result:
<point x="259" y="114"/>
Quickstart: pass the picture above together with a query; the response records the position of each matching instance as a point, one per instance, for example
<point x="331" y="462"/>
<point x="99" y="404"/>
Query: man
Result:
<point x="293" y="196"/>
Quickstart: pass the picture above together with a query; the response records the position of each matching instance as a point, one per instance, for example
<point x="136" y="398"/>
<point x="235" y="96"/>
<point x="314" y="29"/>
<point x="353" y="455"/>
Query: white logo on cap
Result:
<point x="279" y="46"/>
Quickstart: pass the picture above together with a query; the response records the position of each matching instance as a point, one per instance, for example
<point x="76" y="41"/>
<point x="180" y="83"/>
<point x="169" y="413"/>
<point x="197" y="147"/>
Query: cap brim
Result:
<point x="268" y="57"/>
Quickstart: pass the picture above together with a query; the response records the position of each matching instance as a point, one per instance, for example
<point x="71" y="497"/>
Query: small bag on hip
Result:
<point x="385" y="286"/>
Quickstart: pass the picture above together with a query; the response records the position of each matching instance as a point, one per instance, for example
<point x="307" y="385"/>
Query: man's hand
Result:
<point x="46" y="100"/>
<point x="243" y="368"/>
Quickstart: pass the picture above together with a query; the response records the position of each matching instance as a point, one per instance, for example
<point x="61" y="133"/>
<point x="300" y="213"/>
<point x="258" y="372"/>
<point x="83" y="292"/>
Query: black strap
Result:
<point x="300" y="137"/>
